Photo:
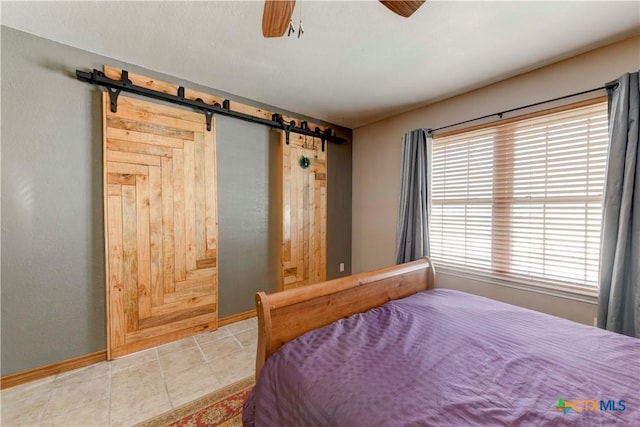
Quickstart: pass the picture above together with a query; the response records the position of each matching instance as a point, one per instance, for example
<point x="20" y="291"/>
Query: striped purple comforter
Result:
<point x="446" y="358"/>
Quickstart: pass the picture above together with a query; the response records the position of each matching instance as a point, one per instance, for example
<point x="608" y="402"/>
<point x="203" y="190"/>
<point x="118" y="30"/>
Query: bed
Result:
<point x="386" y="348"/>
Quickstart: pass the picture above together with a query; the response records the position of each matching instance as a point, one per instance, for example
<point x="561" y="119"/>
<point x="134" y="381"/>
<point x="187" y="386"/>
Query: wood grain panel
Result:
<point x="120" y="178"/>
<point x="173" y="315"/>
<point x="189" y="285"/>
<point x="190" y="204"/>
<point x="322" y="269"/>
<point x="127" y="168"/>
<point x="143" y="138"/>
<point x="179" y="241"/>
<point x="206" y="263"/>
<point x="134" y="147"/>
<point x="304" y="212"/>
<point x="190" y="292"/>
<point x="199" y="197"/>
<point x="117" y="325"/>
<point x="149" y="128"/>
<point x="160" y="226"/>
<point x="143" y="246"/>
<point x="168" y="251"/>
<point x="304" y="258"/>
<point x="140" y="159"/>
<point x="200" y="273"/>
<point x="187" y="304"/>
<point x="164" y="115"/>
<point x="155" y="235"/>
<point x="114" y="189"/>
<point x="130" y="246"/>
<point x="211" y="189"/>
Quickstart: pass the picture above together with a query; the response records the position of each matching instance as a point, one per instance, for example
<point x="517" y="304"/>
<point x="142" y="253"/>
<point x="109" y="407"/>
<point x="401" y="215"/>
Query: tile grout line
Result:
<point x="109" y="394"/>
<point x="46" y="405"/>
<point x="160" y="364"/>
<point x="237" y="340"/>
<point x="164" y="379"/>
<point x="204" y="356"/>
<point x="242" y="332"/>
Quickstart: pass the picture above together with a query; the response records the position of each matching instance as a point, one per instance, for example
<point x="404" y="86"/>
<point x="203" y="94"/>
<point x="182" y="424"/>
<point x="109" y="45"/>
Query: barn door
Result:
<point x="161" y="224"/>
<point x="304" y="227"/>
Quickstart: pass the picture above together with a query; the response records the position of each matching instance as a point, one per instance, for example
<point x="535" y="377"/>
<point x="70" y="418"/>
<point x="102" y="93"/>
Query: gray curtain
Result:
<point x="619" y="281"/>
<point x="412" y="234"/>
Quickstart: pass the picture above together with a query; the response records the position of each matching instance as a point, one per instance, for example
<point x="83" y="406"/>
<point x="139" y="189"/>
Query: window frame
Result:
<point x="496" y="275"/>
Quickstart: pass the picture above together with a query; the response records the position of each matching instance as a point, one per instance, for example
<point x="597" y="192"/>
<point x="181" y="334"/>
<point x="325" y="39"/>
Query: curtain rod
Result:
<point x="500" y="114"/>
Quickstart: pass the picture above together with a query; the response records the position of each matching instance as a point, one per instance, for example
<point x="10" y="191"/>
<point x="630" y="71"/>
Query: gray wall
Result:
<point x="339" y="207"/>
<point x="248" y="223"/>
<point x="52" y="273"/>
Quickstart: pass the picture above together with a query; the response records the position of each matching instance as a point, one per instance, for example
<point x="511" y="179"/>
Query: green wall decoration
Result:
<point x="305" y="162"/>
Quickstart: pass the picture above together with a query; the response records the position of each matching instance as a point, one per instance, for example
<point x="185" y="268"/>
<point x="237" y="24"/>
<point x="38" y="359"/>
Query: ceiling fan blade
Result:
<point x="403" y="8"/>
<point x="276" y="17"/>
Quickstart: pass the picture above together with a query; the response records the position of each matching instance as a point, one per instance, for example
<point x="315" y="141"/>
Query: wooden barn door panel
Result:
<point x="161" y="224"/>
<point x="304" y="228"/>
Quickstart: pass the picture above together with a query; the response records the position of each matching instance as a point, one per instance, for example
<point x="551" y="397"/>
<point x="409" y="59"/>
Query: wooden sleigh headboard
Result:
<point x="283" y="316"/>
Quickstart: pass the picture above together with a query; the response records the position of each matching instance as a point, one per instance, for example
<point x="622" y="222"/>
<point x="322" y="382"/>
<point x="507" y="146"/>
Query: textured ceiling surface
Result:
<point x="356" y="63"/>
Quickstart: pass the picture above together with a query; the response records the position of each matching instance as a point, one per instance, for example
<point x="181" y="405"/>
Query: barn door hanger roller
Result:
<point x="115" y="87"/>
<point x="289" y="127"/>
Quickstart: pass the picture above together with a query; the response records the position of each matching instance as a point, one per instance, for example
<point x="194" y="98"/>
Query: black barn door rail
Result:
<point x="114" y="87"/>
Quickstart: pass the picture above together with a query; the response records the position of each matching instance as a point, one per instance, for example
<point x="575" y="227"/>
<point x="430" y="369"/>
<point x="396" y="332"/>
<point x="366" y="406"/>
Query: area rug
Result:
<point x="222" y="408"/>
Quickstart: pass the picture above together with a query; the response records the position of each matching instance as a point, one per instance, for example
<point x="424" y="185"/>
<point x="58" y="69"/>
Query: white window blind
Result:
<point x="522" y="198"/>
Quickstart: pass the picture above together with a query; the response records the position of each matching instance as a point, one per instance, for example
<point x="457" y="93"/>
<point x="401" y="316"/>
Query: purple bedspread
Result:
<point x="446" y="358"/>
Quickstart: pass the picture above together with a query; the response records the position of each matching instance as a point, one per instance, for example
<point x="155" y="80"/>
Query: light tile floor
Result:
<point x="137" y="387"/>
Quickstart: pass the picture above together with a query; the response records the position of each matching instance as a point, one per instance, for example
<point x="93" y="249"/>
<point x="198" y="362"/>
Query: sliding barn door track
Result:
<point x="115" y="87"/>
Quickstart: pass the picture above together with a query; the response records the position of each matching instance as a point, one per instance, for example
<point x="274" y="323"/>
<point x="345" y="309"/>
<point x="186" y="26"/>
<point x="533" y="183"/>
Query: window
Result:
<point x="521" y="198"/>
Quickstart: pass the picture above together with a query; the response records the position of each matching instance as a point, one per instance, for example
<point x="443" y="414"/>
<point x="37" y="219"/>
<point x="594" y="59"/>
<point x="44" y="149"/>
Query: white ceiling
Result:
<point x="356" y="63"/>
